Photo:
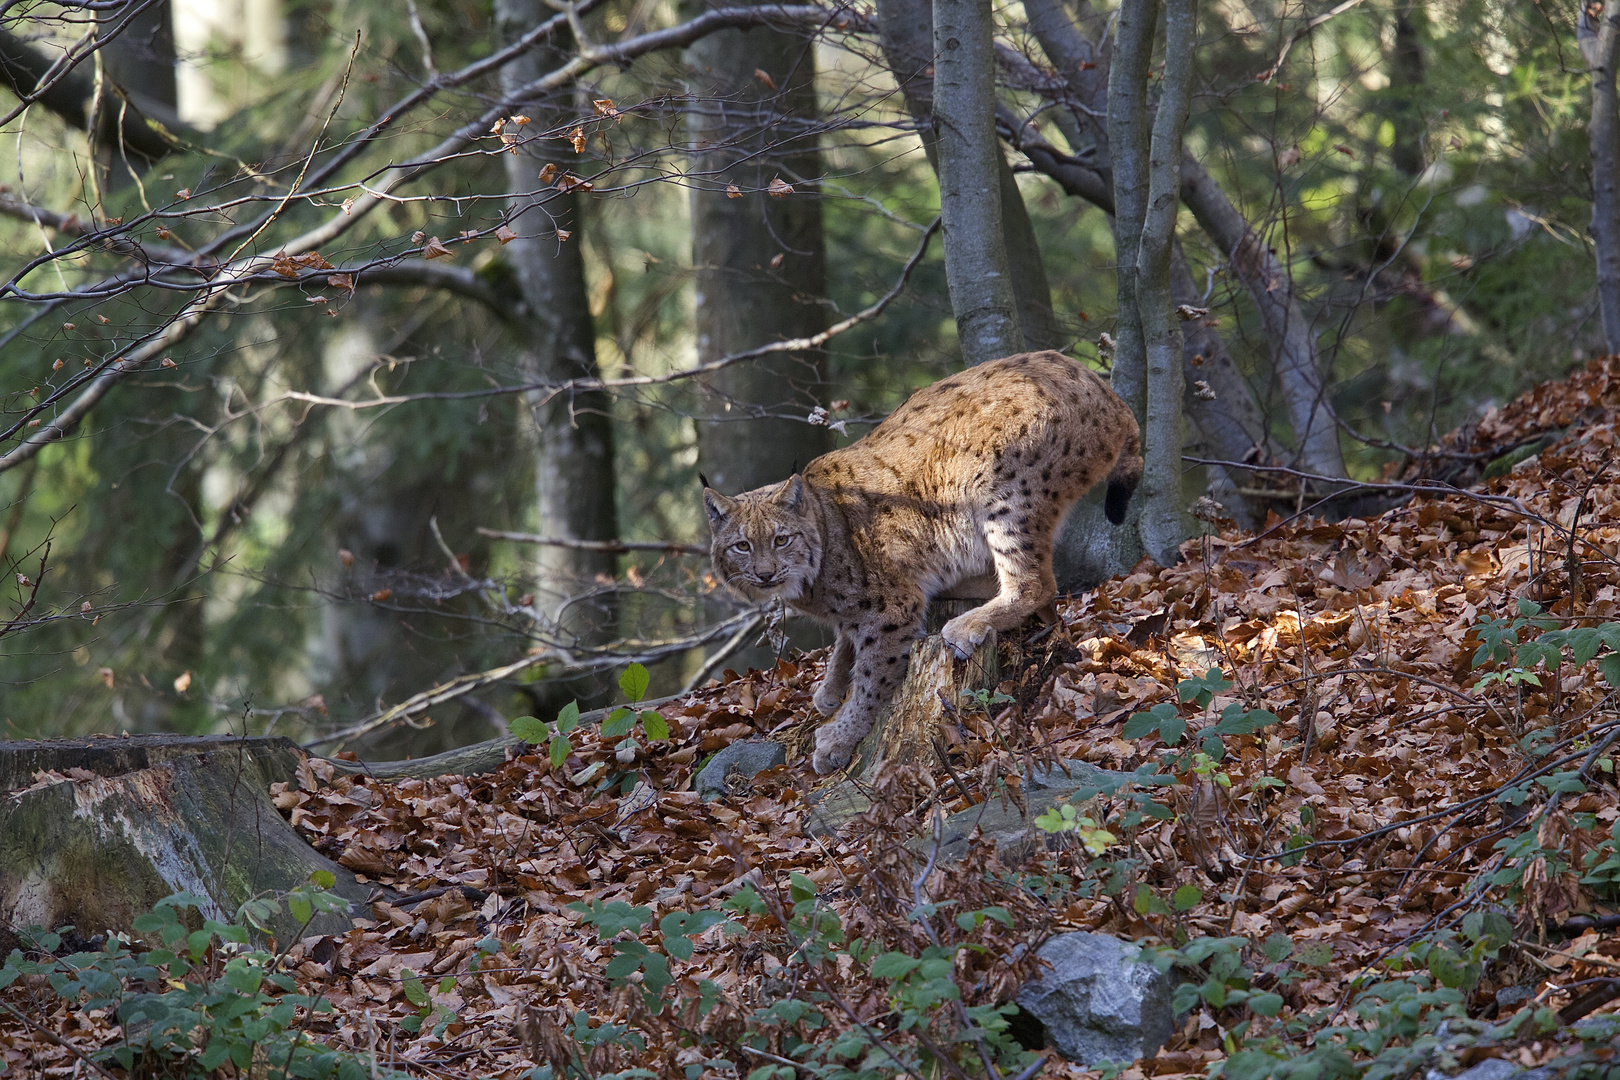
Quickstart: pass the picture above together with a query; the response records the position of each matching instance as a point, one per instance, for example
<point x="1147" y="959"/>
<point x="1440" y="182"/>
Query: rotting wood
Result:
<point x="94" y="832"/>
<point x="906" y="732"/>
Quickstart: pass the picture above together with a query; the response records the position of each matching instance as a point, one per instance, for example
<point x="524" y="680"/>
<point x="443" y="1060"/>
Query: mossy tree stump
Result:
<point x="93" y="832"/>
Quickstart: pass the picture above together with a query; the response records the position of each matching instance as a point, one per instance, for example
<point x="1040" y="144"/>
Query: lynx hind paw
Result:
<point x="965" y="633"/>
<point x="833" y="749"/>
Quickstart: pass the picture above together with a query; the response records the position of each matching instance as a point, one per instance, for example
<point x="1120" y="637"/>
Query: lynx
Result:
<point x="957" y="493"/>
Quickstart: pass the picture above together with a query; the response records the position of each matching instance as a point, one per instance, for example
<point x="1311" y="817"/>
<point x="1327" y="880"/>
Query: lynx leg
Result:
<point x="1023" y="560"/>
<point x="881" y="650"/>
<point x="835" y="680"/>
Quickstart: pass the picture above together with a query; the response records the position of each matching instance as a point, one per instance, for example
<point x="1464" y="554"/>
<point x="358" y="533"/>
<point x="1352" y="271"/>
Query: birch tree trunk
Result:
<point x="760" y="259"/>
<point x="987" y="323"/>
<point x="573" y="462"/>
<point x="906" y="30"/>
<point x="1600" y="45"/>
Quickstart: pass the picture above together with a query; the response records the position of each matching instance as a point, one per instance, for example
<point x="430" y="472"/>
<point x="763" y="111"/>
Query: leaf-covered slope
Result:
<point x="1406" y="765"/>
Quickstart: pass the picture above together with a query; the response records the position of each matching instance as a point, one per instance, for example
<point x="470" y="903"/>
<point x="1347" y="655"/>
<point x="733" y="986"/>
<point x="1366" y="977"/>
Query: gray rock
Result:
<point x="1489" y="1069"/>
<point x="1013" y="832"/>
<point x="1497" y="1069"/>
<point x="1099" y="1001"/>
<point x="743" y="759"/>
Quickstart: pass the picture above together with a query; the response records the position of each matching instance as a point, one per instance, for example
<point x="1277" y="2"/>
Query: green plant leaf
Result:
<point x="1187" y="897"/>
<point x="415" y="992"/>
<point x="654" y="725"/>
<point x="894" y="965"/>
<point x="634" y="681"/>
<point x="568" y="718"/>
<point x="1266" y="1004"/>
<point x="619" y="722"/>
<point x="559" y="750"/>
<point x="531" y="729"/>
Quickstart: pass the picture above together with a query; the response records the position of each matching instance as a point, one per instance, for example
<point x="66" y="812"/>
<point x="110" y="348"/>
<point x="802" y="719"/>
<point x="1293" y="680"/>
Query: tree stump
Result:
<point x="911" y="729"/>
<point x="114" y="825"/>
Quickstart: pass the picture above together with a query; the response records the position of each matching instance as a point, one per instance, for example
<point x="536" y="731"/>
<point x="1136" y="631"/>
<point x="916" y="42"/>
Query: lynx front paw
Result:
<point x="832" y="753"/>
<point x="828" y="697"/>
<point x="966" y="633"/>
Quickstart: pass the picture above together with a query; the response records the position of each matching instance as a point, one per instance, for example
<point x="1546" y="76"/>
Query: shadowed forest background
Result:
<point x="280" y="421"/>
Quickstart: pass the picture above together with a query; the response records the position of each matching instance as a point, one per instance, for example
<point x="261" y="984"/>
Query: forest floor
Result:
<point x="1418" y="763"/>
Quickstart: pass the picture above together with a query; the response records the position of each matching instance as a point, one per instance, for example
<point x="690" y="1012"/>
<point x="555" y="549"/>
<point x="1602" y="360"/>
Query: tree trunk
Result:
<point x="1600" y="45"/>
<point x="760" y="258"/>
<point x="987" y="323"/>
<point x="1161" y="515"/>
<point x="137" y="74"/>
<point x="1293" y="342"/>
<point x="1406" y="88"/>
<point x="1222" y="407"/>
<point x="906" y="29"/>
<point x="1269" y="287"/>
<point x="573" y="464"/>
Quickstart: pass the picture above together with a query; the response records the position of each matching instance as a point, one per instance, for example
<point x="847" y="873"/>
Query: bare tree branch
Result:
<point x="241" y="268"/>
<point x="610" y="547"/>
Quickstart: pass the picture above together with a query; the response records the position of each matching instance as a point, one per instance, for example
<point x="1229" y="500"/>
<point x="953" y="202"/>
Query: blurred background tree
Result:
<point x="291" y="420"/>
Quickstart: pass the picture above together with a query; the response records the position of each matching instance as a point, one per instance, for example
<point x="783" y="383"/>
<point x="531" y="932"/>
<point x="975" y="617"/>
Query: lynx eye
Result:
<point x="741" y="545"/>
<point x="783" y="540"/>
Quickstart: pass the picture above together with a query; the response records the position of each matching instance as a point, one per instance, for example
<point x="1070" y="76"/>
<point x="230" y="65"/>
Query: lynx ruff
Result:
<point x="958" y="492"/>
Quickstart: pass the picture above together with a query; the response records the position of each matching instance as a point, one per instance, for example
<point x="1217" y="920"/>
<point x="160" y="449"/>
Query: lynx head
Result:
<point x="765" y="543"/>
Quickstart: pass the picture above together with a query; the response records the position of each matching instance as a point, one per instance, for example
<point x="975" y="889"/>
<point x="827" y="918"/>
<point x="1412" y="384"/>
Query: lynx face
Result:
<point x="763" y="545"/>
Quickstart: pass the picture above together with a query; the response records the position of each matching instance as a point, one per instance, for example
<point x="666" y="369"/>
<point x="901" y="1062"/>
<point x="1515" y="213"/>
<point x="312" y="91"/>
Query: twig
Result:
<point x="607" y="547"/>
<point x="723" y="653"/>
<point x="1338" y="9"/>
<point x="33" y="594"/>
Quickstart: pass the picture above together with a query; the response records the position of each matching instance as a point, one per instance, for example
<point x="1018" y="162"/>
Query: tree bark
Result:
<point x="1600" y="45"/>
<point x="1128" y="144"/>
<point x="906" y="30"/>
<point x="123" y="823"/>
<point x="1161" y="515"/>
<point x="1293" y="345"/>
<point x="987" y="323"/>
<point x="573" y="462"/>
<point x="760" y="259"/>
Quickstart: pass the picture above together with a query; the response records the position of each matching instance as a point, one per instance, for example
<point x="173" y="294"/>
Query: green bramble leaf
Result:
<point x="560" y="748"/>
<point x="568" y="718"/>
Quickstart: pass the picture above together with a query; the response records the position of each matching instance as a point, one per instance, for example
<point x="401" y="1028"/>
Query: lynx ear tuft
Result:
<point x="704" y="480"/>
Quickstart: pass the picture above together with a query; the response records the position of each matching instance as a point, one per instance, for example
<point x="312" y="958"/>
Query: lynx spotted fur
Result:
<point x="957" y="493"/>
